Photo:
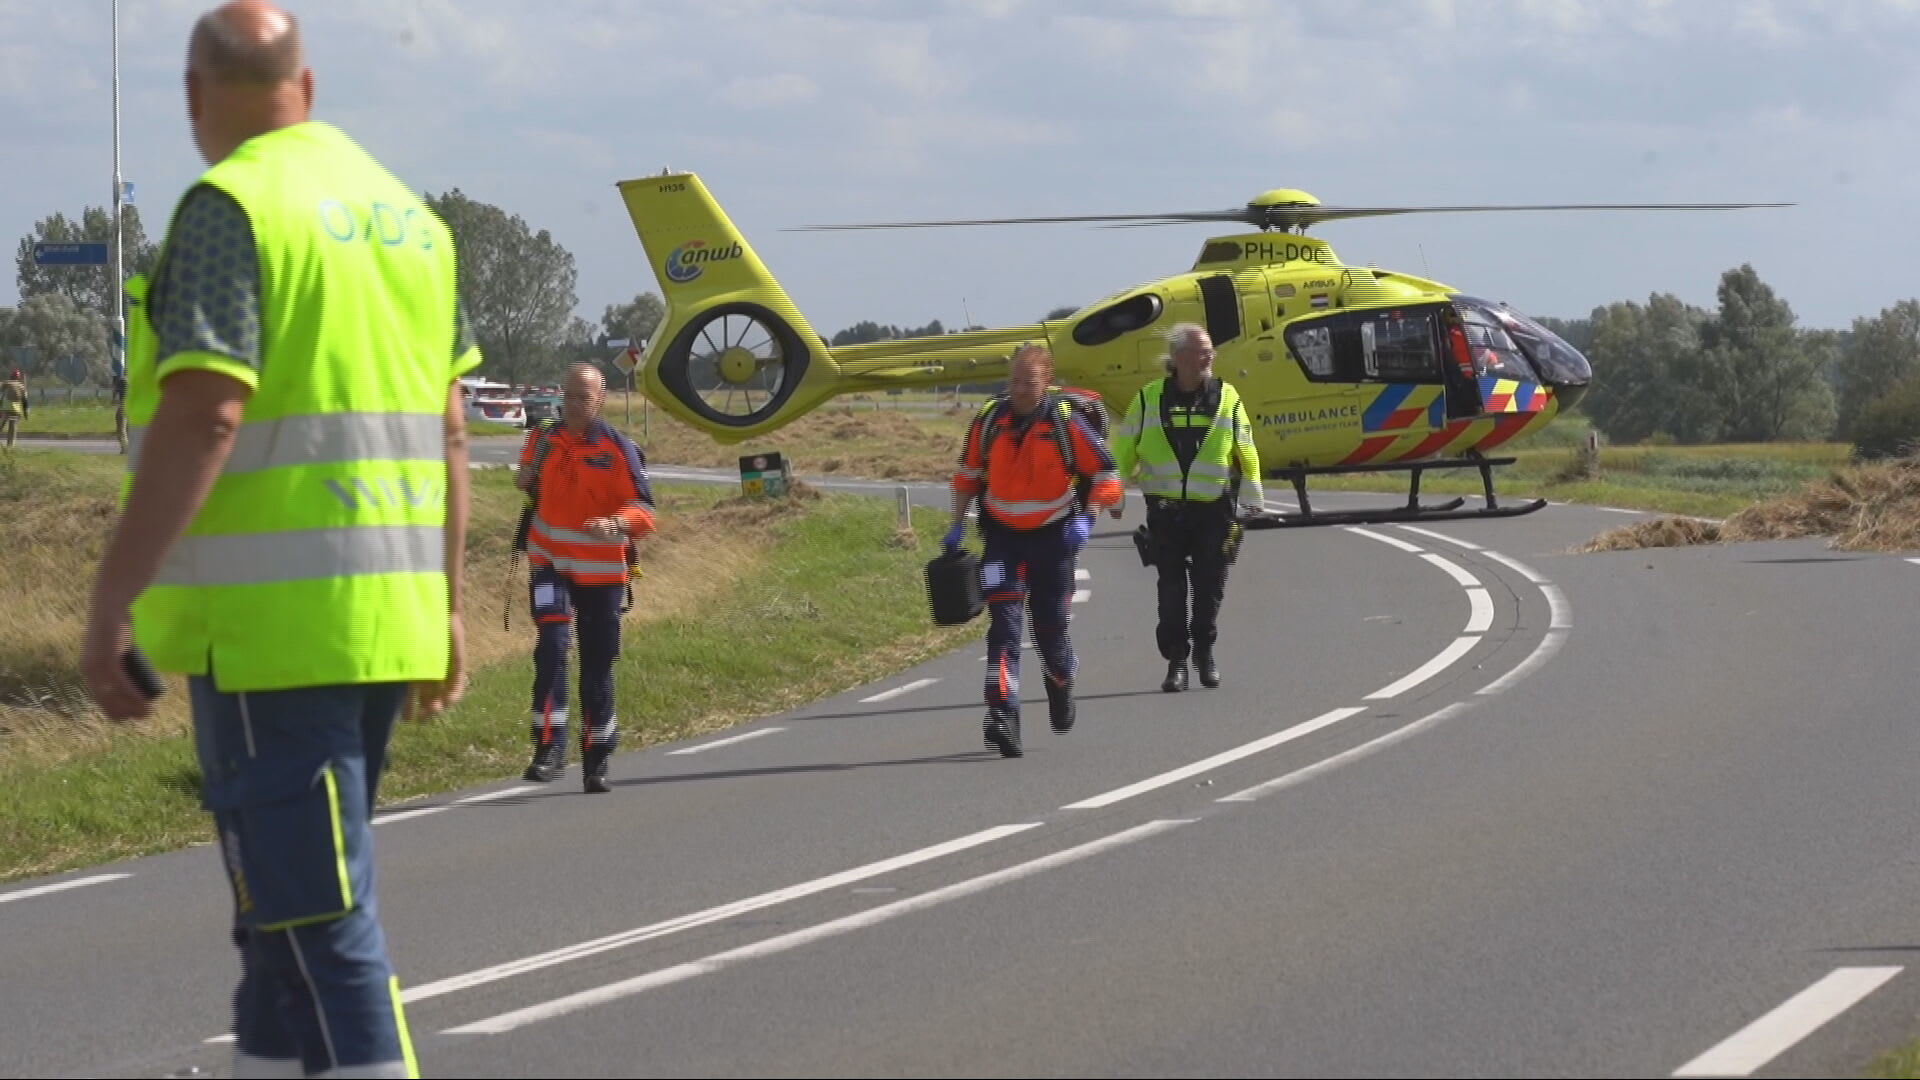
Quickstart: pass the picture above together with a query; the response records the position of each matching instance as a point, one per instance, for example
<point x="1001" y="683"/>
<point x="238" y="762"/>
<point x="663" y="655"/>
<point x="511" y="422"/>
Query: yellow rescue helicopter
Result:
<point x="1343" y="369"/>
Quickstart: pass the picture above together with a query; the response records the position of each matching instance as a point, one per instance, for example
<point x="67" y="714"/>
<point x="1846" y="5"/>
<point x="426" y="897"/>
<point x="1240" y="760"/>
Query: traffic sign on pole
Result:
<point x="69" y="254"/>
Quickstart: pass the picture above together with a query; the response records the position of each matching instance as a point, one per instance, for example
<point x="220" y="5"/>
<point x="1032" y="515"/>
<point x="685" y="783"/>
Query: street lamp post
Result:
<point x="118" y="283"/>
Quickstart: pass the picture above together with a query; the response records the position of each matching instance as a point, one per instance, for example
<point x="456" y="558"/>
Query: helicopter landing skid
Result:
<point x="1413" y="510"/>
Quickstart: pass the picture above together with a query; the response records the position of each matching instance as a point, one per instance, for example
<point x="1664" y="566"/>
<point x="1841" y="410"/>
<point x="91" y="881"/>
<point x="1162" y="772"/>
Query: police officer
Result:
<point x="1189" y="438"/>
<point x="292" y="530"/>
<point x="1024" y="458"/>
<point x="590" y="497"/>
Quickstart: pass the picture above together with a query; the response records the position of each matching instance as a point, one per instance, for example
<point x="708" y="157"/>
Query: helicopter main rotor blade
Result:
<point x="1178" y="217"/>
<point x="1311" y="215"/>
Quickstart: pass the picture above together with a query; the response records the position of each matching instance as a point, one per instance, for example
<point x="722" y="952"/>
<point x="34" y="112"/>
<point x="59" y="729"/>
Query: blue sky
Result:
<point x="816" y="112"/>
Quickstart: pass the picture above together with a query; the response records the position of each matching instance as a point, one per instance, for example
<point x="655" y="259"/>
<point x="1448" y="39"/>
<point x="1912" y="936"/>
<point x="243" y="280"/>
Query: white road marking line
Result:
<point x="653" y="980"/>
<point x="1914" y="561"/>
<point x="703" y="747"/>
<point x="1453" y="570"/>
<point x="889" y="695"/>
<point x="1618" y="510"/>
<point x="1745" y="1051"/>
<point x="1517" y="567"/>
<point x="1080" y="595"/>
<point x="504" y="793"/>
<point x="218" y="1039"/>
<point x="1542" y="653"/>
<point x="405" y="815"/>
<point x="1302" y="775"/>
<point x="60" y="886"/>
<point x="710" y="915"/>
<point x="1556" y="606"/>
<point x="1384" y="538"/>
<point x="1223" y="758"/>
<point x="1481" y="620"/>
<point x="1461" y="646"/>
<point x="1081" y="573"/>
<point x="1468" y="544"/>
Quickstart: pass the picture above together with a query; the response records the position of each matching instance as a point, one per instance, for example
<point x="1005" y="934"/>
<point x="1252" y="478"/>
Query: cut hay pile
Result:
<point x="1862" y="508"/>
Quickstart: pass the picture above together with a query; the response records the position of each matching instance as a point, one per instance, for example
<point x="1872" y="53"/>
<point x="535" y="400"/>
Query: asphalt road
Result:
<point x="1465" y="805"/>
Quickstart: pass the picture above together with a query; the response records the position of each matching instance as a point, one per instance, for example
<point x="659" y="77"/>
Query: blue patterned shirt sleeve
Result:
<point x="205" y="299"/>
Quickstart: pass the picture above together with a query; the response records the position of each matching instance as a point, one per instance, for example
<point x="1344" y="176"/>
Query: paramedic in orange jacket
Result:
<point x="1032" y="525"/>
<point x="591" y="496"/>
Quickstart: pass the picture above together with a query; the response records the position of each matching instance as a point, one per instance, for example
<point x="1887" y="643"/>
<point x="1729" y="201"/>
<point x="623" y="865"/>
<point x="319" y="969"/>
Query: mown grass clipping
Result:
<point x="745" y="608"/>
<point x="1870" y="507"/>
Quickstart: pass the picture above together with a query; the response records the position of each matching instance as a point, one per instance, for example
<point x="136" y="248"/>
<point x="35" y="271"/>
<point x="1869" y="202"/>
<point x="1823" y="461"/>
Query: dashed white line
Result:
<point x="1747" y="1050"/>
<point x="1081" y="573"/>
<point x="60" y="886"/>
<point x="1226" y="757"/>
<point x="1468" y="544"/>
<point x="1302" y="775"/>
<point x="1454" y="570"/>
<point x="710" y="915"/>
<point x="1914" y="561"/>
<point x="1461" y="646"/>
<point x="1385" y="539"/>
<point x="503" y="793"/>
<point x="729" y="741"/>
<point x="1080" y="595"/>
<point x="889" y="695"/>
<point x="681" y="972"/>
<point x="1481" y="620"/>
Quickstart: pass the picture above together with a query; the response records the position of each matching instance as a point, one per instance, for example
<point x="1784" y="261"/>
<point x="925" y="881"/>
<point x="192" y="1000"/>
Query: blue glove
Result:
<point x="951" y="541"/>
<point x="1079" y="527"/>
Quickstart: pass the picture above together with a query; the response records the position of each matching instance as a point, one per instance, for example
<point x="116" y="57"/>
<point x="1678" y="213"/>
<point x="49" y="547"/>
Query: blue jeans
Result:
<point x="290" y="776"/>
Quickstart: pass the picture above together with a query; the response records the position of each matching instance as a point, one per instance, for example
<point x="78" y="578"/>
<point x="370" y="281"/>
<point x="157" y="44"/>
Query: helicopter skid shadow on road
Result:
<point x="1342" y="368"/>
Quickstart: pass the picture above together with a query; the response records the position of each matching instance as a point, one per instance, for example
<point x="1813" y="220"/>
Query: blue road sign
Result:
<point x="70" y="254"/>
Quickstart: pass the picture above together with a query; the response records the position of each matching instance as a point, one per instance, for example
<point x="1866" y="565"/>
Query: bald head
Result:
<point x="246" y="75"/>
<point x="586" y="392"/>
<point x="248" y="42"/>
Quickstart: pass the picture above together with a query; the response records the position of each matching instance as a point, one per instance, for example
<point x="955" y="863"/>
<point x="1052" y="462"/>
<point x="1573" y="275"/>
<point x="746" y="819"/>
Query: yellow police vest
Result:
<point x="318" y="557"/>
<point x="1142" y="441"/>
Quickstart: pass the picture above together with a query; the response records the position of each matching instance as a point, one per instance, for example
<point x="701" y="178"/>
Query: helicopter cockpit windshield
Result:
<point x="1557" y="363"/>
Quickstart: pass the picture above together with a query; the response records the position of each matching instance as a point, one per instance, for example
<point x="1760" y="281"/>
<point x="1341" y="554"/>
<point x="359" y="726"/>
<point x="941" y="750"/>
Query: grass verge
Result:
<point x="1707" y="481"/>
<point x="745" y="608"/>
<point x="834" y="440"/>
<point x="1897" y="1064"/>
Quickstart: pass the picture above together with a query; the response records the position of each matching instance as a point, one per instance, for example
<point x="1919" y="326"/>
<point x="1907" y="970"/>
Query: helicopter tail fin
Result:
<point x="732" y="355"/>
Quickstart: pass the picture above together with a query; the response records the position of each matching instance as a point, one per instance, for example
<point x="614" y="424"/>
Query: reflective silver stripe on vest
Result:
<point x="573" y="536"/>
<point x="580" y="566"/>
<point x="304" y="554"/>
<point x="325" y="439"/>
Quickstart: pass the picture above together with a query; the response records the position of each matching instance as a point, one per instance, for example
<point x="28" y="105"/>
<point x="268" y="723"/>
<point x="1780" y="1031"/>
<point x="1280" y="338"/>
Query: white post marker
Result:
<point x="903" y="505"/>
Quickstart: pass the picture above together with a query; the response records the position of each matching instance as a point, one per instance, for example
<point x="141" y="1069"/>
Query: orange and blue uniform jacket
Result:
<point x="598" y="474"/>
<point x="1022" y="481"/>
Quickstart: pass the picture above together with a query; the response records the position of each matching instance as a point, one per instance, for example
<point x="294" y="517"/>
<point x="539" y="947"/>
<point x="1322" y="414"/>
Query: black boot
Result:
<point x="549" y="758"/>
<point x="593" y="770"/>
<point x="1060" y="705"/>
<point x="1003" y="731"/>
<point x="1176" y="679"/>
<point x="1209" y="674"/>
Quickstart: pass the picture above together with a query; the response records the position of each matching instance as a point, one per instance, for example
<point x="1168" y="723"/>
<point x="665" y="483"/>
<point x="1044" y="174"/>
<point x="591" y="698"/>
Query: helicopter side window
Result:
<point x="1110" y="322"/>
<point x="1399" y="349"/>
<point x="1368" y="346"/>
<point x="1494" y="351"/>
